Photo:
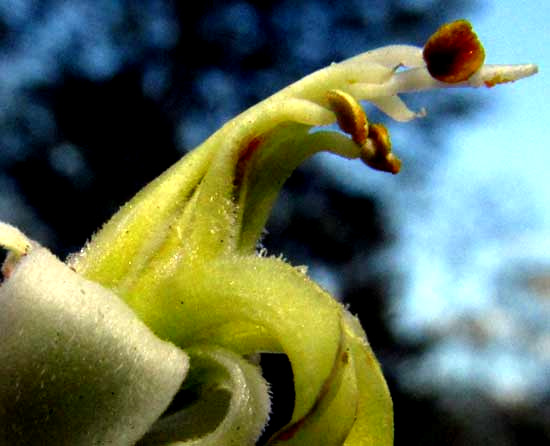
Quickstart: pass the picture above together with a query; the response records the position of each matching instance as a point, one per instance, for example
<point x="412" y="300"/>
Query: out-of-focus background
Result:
<point x="447" y="264"/>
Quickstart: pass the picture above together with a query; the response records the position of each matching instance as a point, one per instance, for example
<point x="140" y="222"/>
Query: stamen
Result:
<point x="373" y="139"/>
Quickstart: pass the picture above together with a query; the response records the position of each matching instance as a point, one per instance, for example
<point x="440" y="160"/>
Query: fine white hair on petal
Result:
<point x="78" y="366"/>
<point x="391" y="56"/>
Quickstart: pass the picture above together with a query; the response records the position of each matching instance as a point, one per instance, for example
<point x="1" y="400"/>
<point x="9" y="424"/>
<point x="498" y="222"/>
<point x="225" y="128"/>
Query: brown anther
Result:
<point x="376" y="152"/>
<point x="349" y="114"/>
<point x="453" y="53"/>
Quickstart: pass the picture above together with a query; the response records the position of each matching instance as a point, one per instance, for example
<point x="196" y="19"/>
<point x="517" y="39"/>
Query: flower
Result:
<point x="173" y="290"/>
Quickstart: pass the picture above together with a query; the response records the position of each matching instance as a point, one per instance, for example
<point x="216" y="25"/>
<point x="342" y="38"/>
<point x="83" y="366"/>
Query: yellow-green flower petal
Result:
<point x="374" y="420"/>
<point x="299" y="318"/>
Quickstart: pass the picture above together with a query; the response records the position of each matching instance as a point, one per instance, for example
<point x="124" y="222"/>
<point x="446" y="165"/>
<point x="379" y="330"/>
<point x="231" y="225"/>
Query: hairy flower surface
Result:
<point x="100" y="340"/>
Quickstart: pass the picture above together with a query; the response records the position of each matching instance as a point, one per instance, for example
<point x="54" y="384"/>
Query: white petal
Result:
<point x="78" y="367"/>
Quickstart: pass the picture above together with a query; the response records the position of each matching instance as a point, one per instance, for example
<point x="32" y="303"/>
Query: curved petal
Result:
<point x="374" y="422"/>
<point x="280" y="153"/>
<point x="298" y="316"/>
<point x="232" y="405"/>
<point x="333" y="415"/>
<point x="356" y="409"/>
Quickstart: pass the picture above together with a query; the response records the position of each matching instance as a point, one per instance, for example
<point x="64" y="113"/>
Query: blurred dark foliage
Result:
<point x="100" y="96"/>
